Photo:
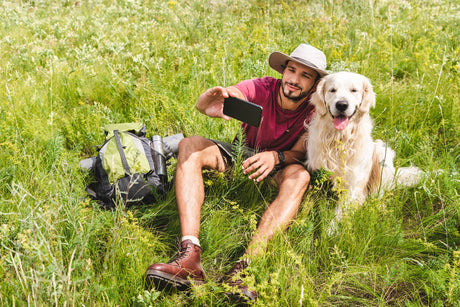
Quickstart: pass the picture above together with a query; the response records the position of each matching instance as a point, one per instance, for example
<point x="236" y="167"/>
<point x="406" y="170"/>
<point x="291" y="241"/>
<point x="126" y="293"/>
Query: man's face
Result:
<point x="297" y="81"/>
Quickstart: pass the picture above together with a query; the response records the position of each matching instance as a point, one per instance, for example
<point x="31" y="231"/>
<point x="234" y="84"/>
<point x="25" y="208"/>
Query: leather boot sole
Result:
<point x="163" y="280"/>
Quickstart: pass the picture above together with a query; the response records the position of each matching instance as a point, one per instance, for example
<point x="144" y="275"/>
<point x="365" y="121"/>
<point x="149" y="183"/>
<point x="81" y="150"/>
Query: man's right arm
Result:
<point x="211" y="102"/>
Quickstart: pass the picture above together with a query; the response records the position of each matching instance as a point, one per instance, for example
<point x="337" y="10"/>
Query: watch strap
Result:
<point x="281" y="157"/>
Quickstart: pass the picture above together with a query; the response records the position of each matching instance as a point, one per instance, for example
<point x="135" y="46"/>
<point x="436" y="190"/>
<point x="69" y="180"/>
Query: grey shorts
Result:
<point x="237" y="152"/>
<point x="234" y="152"/>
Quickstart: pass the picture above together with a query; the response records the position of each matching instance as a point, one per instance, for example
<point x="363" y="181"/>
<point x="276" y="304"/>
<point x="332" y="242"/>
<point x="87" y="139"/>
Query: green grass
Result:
<point x="67" y="68"/>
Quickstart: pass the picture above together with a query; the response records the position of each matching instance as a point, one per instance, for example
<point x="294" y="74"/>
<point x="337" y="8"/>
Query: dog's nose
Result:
<point x="341" y="105"/>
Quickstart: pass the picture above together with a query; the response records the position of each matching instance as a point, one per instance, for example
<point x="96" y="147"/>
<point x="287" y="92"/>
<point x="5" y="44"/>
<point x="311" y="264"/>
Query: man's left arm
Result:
<point x="260" y="165"/>
<point x="296" y="154"/>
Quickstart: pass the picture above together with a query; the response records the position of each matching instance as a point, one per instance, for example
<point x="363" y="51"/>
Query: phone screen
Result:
<point x="243" y="110"/>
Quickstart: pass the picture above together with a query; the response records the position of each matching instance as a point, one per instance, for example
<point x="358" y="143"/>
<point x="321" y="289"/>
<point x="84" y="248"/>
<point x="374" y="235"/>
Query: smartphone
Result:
<point x="242" y="110"/>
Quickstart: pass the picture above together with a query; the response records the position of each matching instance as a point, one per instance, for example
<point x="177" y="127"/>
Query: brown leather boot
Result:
<point x="232" y="278"/>
<point x="178" y="272"/>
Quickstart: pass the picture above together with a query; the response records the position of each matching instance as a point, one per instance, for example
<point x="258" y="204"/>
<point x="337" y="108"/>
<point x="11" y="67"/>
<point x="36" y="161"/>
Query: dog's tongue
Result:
<point x="340" y="122"/>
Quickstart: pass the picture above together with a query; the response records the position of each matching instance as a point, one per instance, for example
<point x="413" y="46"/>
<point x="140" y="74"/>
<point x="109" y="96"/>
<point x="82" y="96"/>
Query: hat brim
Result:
<point x="278" y="60"/>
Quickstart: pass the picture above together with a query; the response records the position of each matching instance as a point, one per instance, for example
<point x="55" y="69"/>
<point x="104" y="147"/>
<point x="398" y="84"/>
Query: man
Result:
<point x="275" y="144"/>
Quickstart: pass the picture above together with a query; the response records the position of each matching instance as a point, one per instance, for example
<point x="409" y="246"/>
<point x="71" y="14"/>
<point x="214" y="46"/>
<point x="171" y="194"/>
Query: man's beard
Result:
<point x="291" y="95"/>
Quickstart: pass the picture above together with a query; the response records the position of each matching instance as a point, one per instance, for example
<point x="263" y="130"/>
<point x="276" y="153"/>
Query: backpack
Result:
<point x="127" y="169"/>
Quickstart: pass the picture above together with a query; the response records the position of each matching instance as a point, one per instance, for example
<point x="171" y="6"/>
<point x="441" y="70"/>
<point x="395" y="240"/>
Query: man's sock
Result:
<point x="194" y="240"/>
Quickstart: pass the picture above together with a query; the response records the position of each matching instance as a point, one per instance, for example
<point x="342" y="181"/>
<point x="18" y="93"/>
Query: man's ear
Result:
<point x="368" y="100"/>
<point x="317" y="98"/>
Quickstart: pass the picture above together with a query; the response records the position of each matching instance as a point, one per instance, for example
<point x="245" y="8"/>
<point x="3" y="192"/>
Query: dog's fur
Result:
<point x="339" y="140"/>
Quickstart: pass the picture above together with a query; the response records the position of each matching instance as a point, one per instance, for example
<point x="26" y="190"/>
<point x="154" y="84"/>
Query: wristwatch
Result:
<point x="281" y="157"/>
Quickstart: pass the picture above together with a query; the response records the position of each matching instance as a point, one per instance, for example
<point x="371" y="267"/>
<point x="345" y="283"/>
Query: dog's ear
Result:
<point x="368" y="100"/>
<point x="317" y="98"/>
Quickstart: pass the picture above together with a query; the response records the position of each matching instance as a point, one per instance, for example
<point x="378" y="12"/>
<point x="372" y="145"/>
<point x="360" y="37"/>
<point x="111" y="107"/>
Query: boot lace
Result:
<point x="183" y="252"/>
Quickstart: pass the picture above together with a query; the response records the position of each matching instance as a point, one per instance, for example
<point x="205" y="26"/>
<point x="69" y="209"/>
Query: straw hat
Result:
<point x="304" y="54"/>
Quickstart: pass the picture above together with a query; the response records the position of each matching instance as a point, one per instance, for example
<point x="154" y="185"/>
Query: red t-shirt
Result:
<point x="272" y="133"/>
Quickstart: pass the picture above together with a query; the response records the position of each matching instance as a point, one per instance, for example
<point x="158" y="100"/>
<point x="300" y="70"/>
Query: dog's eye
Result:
<point x="332" y="90"/>
<point x="354" y="90"/>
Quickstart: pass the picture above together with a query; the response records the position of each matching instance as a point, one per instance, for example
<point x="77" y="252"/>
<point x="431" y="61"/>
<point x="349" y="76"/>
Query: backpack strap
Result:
<point x="148" y="153"/>
<point x="122" y="153"/>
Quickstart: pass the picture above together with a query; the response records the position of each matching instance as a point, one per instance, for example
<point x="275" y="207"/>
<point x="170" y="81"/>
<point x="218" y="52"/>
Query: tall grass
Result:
<point x="70" y="67"/>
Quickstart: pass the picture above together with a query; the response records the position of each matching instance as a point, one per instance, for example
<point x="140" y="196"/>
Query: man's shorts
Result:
<point x="233" y="152"/>
<point x="237" y="152"/>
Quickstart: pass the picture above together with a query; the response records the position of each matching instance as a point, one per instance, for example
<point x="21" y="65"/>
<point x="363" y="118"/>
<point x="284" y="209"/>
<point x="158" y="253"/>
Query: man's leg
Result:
<point x="293" y="181"/>
<point x="195" y="153"/>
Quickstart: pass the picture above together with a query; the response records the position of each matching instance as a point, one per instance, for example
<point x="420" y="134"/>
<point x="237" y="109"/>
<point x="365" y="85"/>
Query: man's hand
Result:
<point x="260" y="165"/>
<point x="211" y="102"/>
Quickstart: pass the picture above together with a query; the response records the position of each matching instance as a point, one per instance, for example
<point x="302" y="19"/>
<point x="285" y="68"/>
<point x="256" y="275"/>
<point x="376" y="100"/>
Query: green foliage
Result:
<point x="68" y="68"/>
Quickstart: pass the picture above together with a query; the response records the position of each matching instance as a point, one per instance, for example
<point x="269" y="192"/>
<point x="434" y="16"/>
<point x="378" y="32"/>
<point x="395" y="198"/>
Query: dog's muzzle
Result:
<point x="341" y="105"/>
<point x="342" y="118"/>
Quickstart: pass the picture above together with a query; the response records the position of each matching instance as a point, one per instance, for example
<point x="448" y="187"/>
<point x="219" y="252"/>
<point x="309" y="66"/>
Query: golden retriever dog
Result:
<point x="339" y="141"/>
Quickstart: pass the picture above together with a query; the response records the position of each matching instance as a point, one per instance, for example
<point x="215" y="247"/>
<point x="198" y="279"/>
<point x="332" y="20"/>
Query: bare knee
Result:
<point x="295" y="175"/>
<point x="190" y="144"/>
<point x="200" y="151"/>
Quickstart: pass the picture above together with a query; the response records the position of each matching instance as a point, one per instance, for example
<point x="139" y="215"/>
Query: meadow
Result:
<point x="68" y="68"/>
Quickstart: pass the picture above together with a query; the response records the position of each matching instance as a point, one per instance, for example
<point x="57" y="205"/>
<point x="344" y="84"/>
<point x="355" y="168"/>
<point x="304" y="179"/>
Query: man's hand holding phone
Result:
<point x="211" y="102"/>
<point x="224" y="103"/>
